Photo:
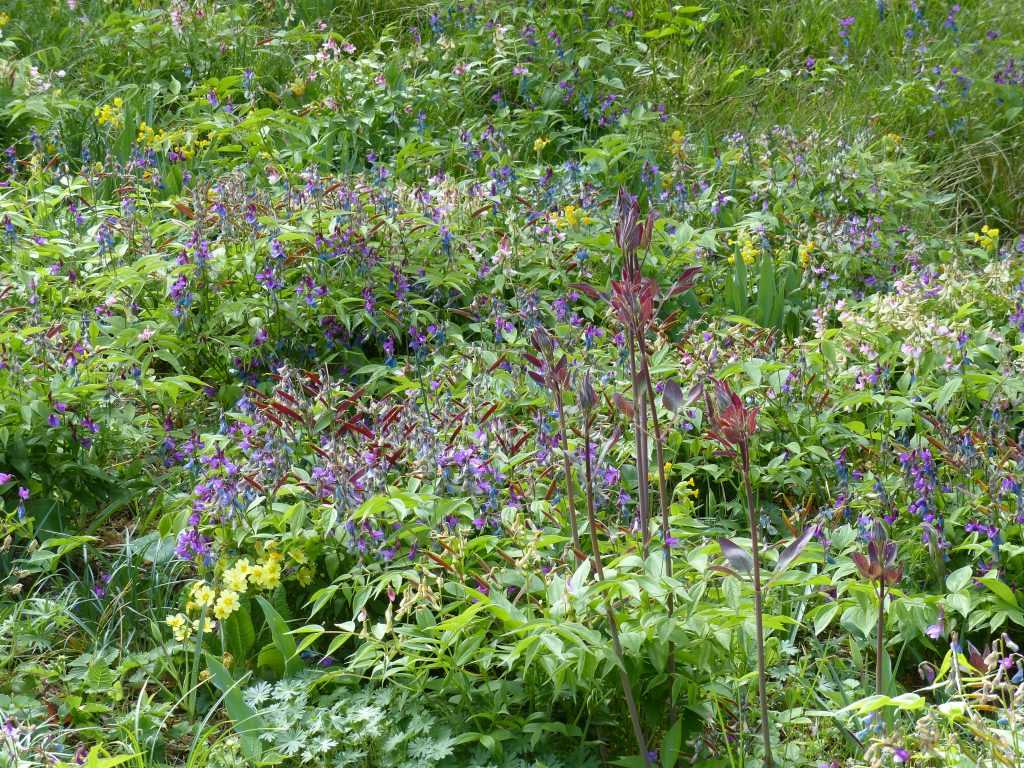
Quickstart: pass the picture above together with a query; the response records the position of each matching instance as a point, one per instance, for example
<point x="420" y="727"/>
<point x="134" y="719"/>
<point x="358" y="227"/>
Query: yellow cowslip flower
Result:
<point x="208" y="625"/>
<point x="4" y="18"/>
<point x="806" y="249"/>
<point x="179" y="626"/>
<point x="894" y="138"/>
<point x="243" y="566"/>
<point x="258" y="574"/>
<point x="111" y="114"/>
<point x="235" y="581"/>
<point x="668" y="468"/>
<point x="267" y="574"/>
<point x="147" y="136"/>
<point x="540" y="143"/>
<point x="676" y="144"/>
<point x="570" y="216"/>
<point x="988" y="239"/>
<point x="203" y="594"/>
<point x="227" y="604"/>
<point x="748" y="249"/>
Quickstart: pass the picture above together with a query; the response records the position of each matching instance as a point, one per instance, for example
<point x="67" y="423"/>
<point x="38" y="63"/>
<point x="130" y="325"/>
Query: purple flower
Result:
<point x="844" y="29"/>
<point x="23" y="493"/>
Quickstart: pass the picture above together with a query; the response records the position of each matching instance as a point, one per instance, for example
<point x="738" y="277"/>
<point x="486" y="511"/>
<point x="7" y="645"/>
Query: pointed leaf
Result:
<point x="672" y="396"/>
<point x="794" y="548"/>
<point x="671" y="745"/>
<point x="283" y="641"/>
<point x="738" y="558"/>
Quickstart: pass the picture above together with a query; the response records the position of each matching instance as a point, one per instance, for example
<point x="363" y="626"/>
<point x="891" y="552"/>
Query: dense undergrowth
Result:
<point x="511" y="383"/>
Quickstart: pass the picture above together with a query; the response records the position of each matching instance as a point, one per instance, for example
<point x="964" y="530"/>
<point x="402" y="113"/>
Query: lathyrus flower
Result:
<point x="148" y="137"/>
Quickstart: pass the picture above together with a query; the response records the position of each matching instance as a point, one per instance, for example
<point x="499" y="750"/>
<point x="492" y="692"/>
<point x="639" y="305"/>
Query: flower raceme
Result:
<point x="732" y="422"/>
<point x="880" y="562"/>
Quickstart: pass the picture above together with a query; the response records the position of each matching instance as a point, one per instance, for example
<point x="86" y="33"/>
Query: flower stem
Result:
<point x="640" y="438"/>
<point x="570" y="493"/>
<point x="663" y="508"/>
<point x="762" y="676"/>
<point x="613" y="627"/>
<point x="880" y="639"/>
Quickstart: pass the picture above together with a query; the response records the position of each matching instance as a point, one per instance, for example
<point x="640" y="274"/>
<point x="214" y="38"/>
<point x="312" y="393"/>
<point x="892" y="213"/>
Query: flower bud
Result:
<point x="586" y="396"/>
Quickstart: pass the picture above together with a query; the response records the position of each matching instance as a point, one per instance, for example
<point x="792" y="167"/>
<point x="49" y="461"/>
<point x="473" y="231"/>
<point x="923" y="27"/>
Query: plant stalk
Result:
<point x="613" y="627"/>
<point x="663" y="508"/>
<point x="880" y="639"/>
<point x="762" y="676"/>
<point x="640" y="438"/>
<point x="570" y="493"/>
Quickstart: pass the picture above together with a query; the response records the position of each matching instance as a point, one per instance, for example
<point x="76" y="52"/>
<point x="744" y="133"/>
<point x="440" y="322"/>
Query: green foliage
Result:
<point x="281" y="451"/>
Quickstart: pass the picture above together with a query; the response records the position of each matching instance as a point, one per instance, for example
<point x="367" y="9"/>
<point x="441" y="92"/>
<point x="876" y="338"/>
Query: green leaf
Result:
<point x="907" y="702"/>
<point x="766" y="292"/>
<point x="247" y="723"/>
<point x="239" y="634"/>
<point x="671" y="745"/>
<point x="997" y="587"/>
<point x="283" y="641"/>
<point x="947" y="392"/>
<point x="823" y="619"/>
<point x="959" y="579"/>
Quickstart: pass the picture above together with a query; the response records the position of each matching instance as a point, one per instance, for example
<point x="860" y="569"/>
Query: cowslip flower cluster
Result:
<point x="111" y="114"/>
<point x="147" y="137"/>
<point x="988" y="238"/>
<point x="572" y="217"/>
<point x="677" y="144"/>
<point x="235" y="582"/>
<point x="805" y="252"/>
<point x="748" y="249"/>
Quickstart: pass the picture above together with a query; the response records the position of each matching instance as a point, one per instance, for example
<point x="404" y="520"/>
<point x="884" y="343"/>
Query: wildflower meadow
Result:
<point x="511" y="383"/>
